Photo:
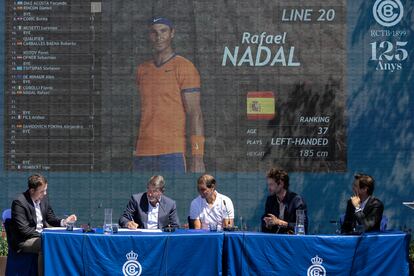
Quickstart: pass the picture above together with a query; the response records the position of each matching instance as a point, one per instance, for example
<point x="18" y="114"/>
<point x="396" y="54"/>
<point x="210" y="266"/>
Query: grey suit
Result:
<point x="137" y="210"/>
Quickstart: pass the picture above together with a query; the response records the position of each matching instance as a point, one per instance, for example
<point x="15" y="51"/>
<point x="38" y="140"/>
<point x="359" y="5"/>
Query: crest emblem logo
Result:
<point x="316" y="269"/>
<point x="388" y="13"/>
<point x="132" y="267"/>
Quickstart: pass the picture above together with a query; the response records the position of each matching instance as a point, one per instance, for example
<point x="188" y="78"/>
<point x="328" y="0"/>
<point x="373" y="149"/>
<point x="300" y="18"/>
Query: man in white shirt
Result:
<point x="211" y="210"/>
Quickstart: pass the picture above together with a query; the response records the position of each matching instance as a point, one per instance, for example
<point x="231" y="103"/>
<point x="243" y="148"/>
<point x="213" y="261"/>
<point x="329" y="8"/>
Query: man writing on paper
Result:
<point x="152" y="209"/>
<point x="169" y="88"/>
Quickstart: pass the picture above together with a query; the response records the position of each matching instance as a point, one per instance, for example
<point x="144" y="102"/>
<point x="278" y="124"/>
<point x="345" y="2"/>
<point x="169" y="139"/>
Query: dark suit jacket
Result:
<point x="370" y="217"/>
<point x="292" y="203"/>
<point x="23" y="220"/>
<point x="137" y="210"/>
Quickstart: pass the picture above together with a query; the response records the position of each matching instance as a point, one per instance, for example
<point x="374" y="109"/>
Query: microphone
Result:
<point x="227" y="210"/>
<point x="169" y="227"/>
<point x="159" y="204"/>
<point x="89" y="229"/>
<point x="227" y="227"/>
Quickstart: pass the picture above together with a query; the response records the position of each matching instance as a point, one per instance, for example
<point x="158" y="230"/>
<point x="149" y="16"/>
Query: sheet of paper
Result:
<point x="140" y="230"/>
<point x="409" y="204"/>
<point x="61" y="228"/>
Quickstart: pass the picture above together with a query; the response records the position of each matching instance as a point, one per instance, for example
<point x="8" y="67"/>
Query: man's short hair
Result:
<point x="36" y="180"/>
<point x="364" y="180"/>
<point x="279" y="174"/>
<point x="208" y="180"/>
<point x="156" y="182"/>
<point x="160" y="20"/>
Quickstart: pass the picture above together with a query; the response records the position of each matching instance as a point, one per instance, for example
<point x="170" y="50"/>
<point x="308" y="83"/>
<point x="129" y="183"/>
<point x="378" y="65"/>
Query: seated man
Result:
<point x="152" y="209"/>
<point x="31" y="212"/>
<point x="363" y="210"/>
<point x="281" y="204"/>
<point x="210" y="208"/>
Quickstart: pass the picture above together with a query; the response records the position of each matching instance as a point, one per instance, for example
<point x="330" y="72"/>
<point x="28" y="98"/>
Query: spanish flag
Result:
<point x="260" y="105"/>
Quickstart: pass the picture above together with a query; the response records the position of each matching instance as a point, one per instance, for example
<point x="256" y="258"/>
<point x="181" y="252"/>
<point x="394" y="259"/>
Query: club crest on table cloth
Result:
<point x="316" y="269"/>
<point x="131" y="267"/>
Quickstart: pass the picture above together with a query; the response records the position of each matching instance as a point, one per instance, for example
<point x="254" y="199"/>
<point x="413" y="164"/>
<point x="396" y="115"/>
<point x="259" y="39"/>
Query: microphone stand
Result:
<point x="228" y="227"/>
<point x="89" y="229"/>
<point x="167" y="228"/>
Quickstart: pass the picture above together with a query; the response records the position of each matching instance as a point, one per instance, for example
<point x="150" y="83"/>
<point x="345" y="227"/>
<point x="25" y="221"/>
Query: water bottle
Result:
<point x="241" y="223"/>
<point x="107" y="226"/>
<point x="300" y="222"/>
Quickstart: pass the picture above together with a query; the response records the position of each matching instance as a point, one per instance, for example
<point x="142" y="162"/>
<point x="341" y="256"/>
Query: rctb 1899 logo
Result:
<point x="388" y="55"/>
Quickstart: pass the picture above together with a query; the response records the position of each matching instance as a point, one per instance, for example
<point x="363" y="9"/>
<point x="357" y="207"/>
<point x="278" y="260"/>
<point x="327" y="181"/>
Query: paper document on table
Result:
<point x="409" y="204"/>
<point x="140" y="230"/>
<point x="60" y="229"/>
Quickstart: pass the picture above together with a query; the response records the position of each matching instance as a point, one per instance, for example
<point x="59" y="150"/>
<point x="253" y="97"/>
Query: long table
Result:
<point x="228" y="253"/>
<point x="178" y="253"/>
<point x="266" y="254"/>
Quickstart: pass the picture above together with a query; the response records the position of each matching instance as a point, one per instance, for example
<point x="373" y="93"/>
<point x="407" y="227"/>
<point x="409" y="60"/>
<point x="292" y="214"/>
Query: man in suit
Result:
<point x="281" y="204"/>
<point x="363" y="211"/>
<point x="31" y="212"/>
<point x="152" y="209"/>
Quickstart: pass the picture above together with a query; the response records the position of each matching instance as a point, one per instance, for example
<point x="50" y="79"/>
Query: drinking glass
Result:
<point x="107" y="227"/>
<point x="300" y="222"/>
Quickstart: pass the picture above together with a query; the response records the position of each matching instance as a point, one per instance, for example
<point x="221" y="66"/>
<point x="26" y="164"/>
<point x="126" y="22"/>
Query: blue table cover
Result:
<point x="234" y="253"/>
<point x="178" y="253"/>
<point x="270" y="254"/>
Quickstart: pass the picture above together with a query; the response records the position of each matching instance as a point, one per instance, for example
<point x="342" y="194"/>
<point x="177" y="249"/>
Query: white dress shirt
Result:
<point x="152" y="222"/>
<point x="39" y="217"/>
